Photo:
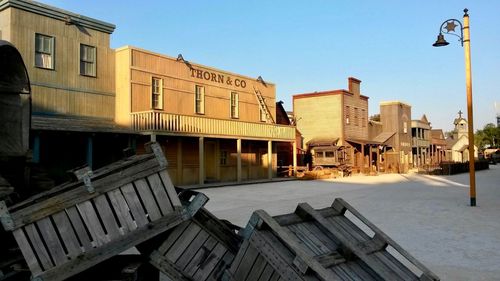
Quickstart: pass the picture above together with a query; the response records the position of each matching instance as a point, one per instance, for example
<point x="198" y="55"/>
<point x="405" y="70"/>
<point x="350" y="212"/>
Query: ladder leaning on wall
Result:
<point x="263" y="106"/>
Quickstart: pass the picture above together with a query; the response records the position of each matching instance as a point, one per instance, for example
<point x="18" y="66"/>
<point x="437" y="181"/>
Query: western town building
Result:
<point x="457" y="146"/>
<point x="421" y="141"/>
<point x="89" y="102"/>
<point x="338" y="119"/>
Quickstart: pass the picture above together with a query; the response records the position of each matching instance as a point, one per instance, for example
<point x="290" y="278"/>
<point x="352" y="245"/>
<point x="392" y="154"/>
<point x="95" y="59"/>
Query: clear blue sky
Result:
<point x="307" y="46"/>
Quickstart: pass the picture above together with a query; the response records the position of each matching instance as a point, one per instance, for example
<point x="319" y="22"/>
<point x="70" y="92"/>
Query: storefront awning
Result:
<point x="383" y="137"/>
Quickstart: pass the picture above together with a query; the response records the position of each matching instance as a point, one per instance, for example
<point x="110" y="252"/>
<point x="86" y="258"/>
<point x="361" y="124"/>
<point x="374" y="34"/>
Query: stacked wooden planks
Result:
<point x="77" y="225"/>
<point x="321" y="244"/>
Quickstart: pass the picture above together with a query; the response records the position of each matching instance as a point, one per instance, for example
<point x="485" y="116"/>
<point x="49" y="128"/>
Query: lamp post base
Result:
<point x="473" y="201"/>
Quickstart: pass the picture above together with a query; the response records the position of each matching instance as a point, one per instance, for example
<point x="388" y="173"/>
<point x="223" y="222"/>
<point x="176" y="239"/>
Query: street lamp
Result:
<point x="464" y="36"/>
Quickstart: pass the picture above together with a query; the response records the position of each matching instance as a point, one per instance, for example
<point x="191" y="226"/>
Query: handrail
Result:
<point x="184" y="124"/>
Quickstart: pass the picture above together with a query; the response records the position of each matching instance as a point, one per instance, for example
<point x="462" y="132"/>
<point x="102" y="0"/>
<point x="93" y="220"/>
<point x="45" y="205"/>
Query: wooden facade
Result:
<point x="60" y="89"/>
<point x="340" y="115"/>
<point x="421" y="141"/>
<point x="217" y="125"/>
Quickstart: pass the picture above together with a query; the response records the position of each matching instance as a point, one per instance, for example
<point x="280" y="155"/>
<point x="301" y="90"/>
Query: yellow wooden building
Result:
<point x="89" y="102"/>
<point x="214" y="125"/>
<point x="339" y="118"/>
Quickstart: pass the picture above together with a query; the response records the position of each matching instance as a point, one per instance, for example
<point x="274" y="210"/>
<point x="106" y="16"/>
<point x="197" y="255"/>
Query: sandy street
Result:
<point x="429" y="216"/>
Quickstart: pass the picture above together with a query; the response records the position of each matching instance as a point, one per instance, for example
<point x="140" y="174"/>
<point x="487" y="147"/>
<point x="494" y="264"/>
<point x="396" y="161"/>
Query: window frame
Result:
<point x="199" y="103"/>
<point x="85" y="61"/>
<point x="159" y="94"/>
<point x="51" y="52"/>
<point x="347" y="115"/>
<point x="234" y="107"/>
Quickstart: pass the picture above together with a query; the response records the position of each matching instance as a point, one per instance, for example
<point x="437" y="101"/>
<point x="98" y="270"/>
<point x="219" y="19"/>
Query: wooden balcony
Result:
<point x="175" y="124"/>
<point x="418" y="142"/>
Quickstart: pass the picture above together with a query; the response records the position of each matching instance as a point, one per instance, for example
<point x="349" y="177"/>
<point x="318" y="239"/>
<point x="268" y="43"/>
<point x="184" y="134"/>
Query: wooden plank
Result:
<point x="292" y="243"/>
<point x="91" y="220"/>
<point x="51" y="239"/>
<point x="169" y="187"/>
<point x="215" y="256"/>
<point x="122" y="211"/>
<point x="275" y="277"/>
<point x="115" y="247"/>
<point x="221" y="266"/>
<point x="257" y="268"/>
<point x="38" y="246"/>
<point x="396" y="266"/>
<point x="67" y="234"/>
<point x="173" y="236"/>
<point x="329" y="241"/>
<point x="267" y="273"/>
<point x="201" y="257"/>
<point x="239" y="256"/>
<point x="160" y="194"/>
<point x="80" y="229"/>
<point x="72" y="197"/>
<point x="134" y="204"/>
<point x="148" y="199"/>
<point x="171" y="270"/>
<point x="28" y="254"/>
<point x="361" y="272"/>
<point x="192" y="249"/>
<point x="309" y="239"/>
<point x="276" y="253"/>
<point x="107" y="217"/>
<point x="341" y="205"/>
<point x="181" y="244"/>
<point x="343" y="237"/>
<point x="246" y="264"/>
<point x="218" y="229"/>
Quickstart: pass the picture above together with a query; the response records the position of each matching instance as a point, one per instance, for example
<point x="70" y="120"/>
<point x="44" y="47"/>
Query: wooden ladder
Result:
<point x="263" y="105"/>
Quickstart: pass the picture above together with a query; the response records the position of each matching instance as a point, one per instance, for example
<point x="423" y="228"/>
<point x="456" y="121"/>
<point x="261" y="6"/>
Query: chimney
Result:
<point x="354" y="85"/>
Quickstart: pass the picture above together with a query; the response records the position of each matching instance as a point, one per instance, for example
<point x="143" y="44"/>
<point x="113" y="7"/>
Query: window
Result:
<point x="356" y="120"/>
<point x="199" y="102"/>
<point x="347" y="114"/>
<point x="87" y="60"/>
<point x="44" y="51"/>
<point x="234" y="105"/>
<point x="363" y="118"/>
<point x="156" y="93"/>
<point x="405" y="127"/>
<point x="223" y="157"/>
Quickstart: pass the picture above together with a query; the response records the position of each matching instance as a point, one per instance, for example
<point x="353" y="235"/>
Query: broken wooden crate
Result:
<point x="321" y="244"/>
<point x="198" y="249"/>
<point x="77" y="225"/>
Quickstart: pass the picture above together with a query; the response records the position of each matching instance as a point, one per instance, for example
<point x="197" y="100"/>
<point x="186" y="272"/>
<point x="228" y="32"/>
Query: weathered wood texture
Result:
<point x="321" y="245"/>
<point x="199" y="249"/>
<point x="69" y="229"/>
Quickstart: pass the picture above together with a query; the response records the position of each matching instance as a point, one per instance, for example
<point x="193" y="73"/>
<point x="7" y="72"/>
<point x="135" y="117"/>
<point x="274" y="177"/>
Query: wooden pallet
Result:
<point x="77" y="225"/>
<point x="321" y="244"/>
<point x="198" y="249"/>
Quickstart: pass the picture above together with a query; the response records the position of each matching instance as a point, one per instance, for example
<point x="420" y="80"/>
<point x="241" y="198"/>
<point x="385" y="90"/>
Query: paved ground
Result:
<point x="429" y="216"/>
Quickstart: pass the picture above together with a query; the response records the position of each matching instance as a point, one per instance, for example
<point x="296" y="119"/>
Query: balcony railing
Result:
<point x="193" y="125"/>
<point x="417" y="142"/>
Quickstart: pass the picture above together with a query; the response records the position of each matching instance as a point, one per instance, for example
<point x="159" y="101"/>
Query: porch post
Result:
<point x="238" y="160"/>
<point x="269" y="160"/>
<point x="294" y="155"/>
<point x="362" y="168"/>
<point x="201" y="159"/>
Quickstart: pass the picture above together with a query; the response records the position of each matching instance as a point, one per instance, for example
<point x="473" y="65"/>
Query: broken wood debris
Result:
<point x="72" y="231"/>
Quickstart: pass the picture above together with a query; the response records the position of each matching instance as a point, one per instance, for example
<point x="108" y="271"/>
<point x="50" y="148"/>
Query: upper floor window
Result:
<point x="363" y="118"/>
<point x="405" y="127"/>
<point x="347" y="115"/>
<point x="199" y="99"/>
<point x="234" y="105"/>
<point x="87" y="60"/>
<point x="356" y="117"/>
<point x="44" y="51"/>
<point x="156" y="93"/>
